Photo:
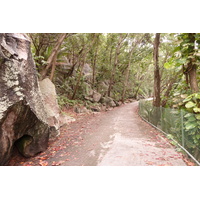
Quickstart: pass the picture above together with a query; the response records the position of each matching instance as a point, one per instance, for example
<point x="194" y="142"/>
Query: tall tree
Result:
<point x="87" y="49"/>
<point x="52" y="58"/>
<point x="156" y="100"/>
<point x="125" y="84"/>
<point x="117" y="52"/>
<point x="187" y="53"/>
<point x="191" y="67"/>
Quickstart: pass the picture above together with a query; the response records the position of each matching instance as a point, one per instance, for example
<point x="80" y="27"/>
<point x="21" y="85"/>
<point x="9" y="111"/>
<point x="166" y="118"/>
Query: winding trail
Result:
<point x="115" y="138"/>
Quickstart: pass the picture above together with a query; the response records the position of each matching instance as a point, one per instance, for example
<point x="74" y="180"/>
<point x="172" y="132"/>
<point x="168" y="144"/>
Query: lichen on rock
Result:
<point x="22" y="113"/>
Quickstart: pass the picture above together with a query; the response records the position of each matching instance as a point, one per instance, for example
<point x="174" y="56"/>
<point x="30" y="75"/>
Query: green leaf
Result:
<point x="197" y="116"/>
<point x="190" y="104"/>
<point x="177" y="93"/>
<point x="197" y="95"/>
<point x="198" y="136"/>
<point x="189" y="115"/>
<point x="191" y="119"/>
<point x="190" y="126"/>
<point x="195" y="141"/>
<point x="181" y="61"/>
<point x="196" y="110"/>
<point x="188" y="98"/>
<point x="177" y="49"/>
<point x="191" y="133"/>
<point x="183" y="96"/>
<point x="167" y="65"/>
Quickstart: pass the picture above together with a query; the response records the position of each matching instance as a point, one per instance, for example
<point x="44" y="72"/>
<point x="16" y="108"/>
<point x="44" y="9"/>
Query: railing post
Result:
<point x="182" y="129"/>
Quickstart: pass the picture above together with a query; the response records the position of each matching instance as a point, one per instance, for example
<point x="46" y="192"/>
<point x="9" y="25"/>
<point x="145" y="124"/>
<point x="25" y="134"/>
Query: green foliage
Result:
<point x="192" y="103"/>
<point x="192" y="121"/>
<point x="176" y="122"/>
<point x="39" y="61"/>
<point x="192" y="131"/>
<point x="63" y="101"/>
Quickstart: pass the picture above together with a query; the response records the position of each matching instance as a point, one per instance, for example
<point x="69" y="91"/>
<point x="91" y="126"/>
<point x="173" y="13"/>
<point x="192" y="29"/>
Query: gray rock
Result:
<point x="87" y="73"/>
<point x="103" y="88"/>
<point x="119" y="103"/>
<point x="22" y="114"/>
<point x="80" y="109"/>
<point x="51" y="105"/>
<point x="87" y="90"/>
<point x="87" y="70"/>
<point x="112" y="103"/>
<point x="89" y="99"/>
<point x="96" y="96"/>
<point x="108" y="101"/>
<point x="95" y="108"/>
<point x="90" y="94"/>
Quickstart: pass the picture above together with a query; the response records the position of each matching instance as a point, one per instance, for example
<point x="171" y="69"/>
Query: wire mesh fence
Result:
<point x="179" y="125"/>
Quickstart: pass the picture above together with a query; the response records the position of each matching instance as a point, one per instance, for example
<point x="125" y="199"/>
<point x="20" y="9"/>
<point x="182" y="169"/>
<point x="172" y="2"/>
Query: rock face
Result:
<point x="51" y="105"/>
<point x="54" y="118"/>
<point x="90" y="94"/>
<point x="87" y="91"/>
<point x="96" y="96"/>
<point x="23" y="119"/>
<point x="80" y="109"/>
<point x="108" y="101"/>
<point x="103" y="87"/>
<point x="87" y="72"/>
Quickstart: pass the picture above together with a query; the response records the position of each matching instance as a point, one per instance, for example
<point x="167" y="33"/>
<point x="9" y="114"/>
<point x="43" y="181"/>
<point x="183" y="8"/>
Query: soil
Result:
<point x="118" y="137"/>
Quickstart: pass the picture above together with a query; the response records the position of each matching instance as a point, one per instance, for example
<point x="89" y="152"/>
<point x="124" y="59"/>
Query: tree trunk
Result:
<point x="127" y="75"/>
<point x="128" y="69"/>
<point x="193" y="79"/>
<point x="136" y="93"/>
<point x="117" y="52"/>
<point x="82" y="66"/>
<point x="192" y="68"/>
<point x="79" y="78"/>
<point x="52" y="58"/>
<point x="155" y="116"/>
<point x="169" y="88"/>
<point x="184" y="69"/>
<point x="156" y="100"/>
<point x="94" y="66"/>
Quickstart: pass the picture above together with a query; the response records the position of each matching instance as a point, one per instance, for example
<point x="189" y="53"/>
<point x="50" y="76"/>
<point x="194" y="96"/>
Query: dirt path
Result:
<point x="115" y="138"/>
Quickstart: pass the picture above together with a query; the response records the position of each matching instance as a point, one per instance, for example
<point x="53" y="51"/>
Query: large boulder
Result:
<point x="23" y="120"/>
<point x="55" y="118"/>
<point x="103" y="87"/>
<point x="51" y="105"/>
<point x="87" y="72"/>
<point x="90" y="94"/>
<point x="87" y="90"/>
<point x="108" y="102"/>
<point x="96" y="96"/>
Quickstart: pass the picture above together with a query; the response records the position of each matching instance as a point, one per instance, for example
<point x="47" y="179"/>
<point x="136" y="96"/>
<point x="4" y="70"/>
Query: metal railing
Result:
<point x="182" y="127"/>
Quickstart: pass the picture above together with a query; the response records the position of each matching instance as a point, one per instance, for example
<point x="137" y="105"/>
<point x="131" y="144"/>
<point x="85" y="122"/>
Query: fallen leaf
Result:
<point x="43" y="158"/>
<point x="43" y="163"/>
<point x="149" y="163"/>
<point x="57" y="163"/>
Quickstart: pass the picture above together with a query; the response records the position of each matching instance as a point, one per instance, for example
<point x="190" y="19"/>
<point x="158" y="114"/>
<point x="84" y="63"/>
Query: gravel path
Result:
<point x="115" y="138"/>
